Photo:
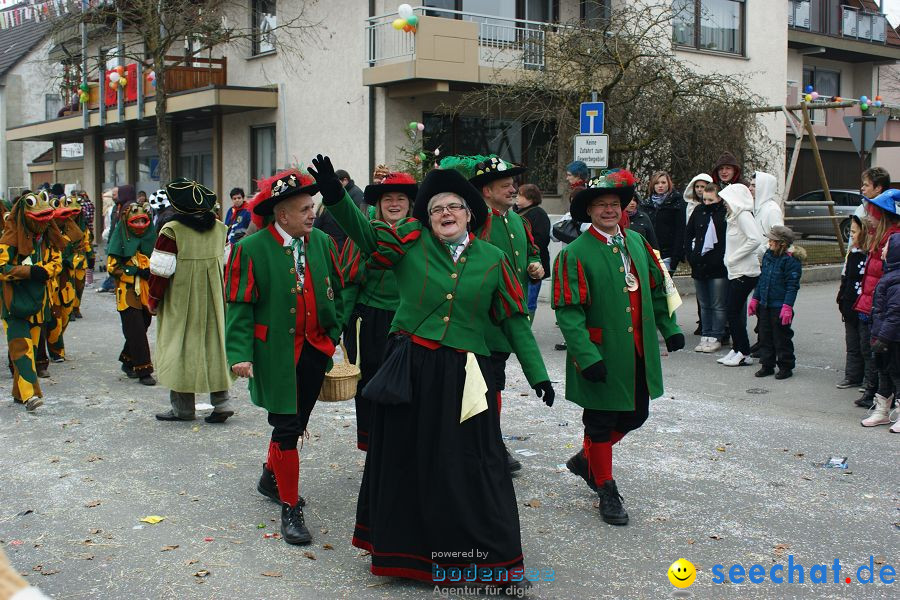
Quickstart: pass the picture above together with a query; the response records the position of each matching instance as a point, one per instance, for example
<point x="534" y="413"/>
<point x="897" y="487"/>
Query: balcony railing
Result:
<point x="514" y="41"/>
<point x="830" y="17"/>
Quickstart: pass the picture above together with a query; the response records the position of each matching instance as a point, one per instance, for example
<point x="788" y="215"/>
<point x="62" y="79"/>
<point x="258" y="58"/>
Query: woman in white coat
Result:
<point x="743" y="237"/>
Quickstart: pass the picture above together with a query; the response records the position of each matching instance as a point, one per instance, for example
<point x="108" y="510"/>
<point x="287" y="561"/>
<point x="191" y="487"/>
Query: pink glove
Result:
<point x="751" y="308"/>
<point x="786" y="314"/>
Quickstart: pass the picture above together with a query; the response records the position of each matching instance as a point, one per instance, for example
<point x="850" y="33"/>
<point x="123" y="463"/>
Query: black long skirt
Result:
<point x="436" y="493"/>
<point x="373" y="337"/>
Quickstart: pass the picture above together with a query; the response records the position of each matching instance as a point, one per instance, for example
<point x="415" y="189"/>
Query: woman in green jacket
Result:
<point x="435" y="481"/>
<point x="374" y="290"/>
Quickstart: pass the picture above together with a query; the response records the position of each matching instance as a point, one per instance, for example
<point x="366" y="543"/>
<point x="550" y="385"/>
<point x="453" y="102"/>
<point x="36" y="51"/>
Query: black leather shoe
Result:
<point x="148" y="380"/>
<point x="846" y="383"/>
<point x="578" y="465"/>
<point x="764" y="372"/>
<point x="293" y="527"/>
<point x="268" y="487"/>
<point x="512" y="464"/>
<point x="611" y="504"/>
<point x="218" y="417"/>
<point x="128" y="371"/>
<point x="867" y="400"/>
<point x="171" y="416"/>
<point x="783" y="373"/>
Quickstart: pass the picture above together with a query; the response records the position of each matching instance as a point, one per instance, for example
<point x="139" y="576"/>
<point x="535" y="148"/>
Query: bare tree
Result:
<point x="661" y="113"/>
<point x="163" y="34"/>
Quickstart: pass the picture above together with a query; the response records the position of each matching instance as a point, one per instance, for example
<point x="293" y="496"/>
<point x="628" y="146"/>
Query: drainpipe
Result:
<point x="371" y="113"/>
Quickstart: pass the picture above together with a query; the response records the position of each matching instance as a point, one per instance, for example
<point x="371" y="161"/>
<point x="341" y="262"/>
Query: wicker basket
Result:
<point x="340" y="382"/>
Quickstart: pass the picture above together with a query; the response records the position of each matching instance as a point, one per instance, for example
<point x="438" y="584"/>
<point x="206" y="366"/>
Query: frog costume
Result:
<point x="28" y="259"/>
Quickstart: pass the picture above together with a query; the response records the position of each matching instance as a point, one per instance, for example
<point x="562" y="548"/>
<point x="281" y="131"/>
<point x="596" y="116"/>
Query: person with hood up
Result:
<point x="742" y="241"/>
<point x="766" y="205"/>
<point x="693" y="193"/>
<point x="666" y="209"/>
<point x="726" y="171"/>
<point x="886" y="334"/>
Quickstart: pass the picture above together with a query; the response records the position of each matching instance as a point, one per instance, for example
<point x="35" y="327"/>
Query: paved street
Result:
<point x="727" y="470"/>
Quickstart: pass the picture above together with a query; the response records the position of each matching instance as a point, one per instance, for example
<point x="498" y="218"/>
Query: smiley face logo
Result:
<point x="682" y="573"/>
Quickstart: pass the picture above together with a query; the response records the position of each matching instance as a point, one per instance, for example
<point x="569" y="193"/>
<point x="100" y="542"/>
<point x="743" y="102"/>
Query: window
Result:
<point x="716" y="25"/>
<point x="148" y="164"/>
<point x="264" y="21"/>
<point x="544" y="11"/>
<point x="113" y="162"/>
<point x="529" y="143"/>
<point x="71" y="151"/>
<point x="262" y="153"/>
<point x="595" y="13"/>
<point x="53" y="104"/>
<point x="825" y="81"/>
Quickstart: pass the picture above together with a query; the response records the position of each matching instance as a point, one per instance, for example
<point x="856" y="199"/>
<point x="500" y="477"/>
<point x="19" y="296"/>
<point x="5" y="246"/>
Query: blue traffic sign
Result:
<point x="592" y="114"/>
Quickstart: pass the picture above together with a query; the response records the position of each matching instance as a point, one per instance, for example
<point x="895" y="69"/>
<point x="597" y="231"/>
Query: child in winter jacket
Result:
<point x="886" y="335"/>
<point x="773" y="303"/>
<point x="858" y="367"/>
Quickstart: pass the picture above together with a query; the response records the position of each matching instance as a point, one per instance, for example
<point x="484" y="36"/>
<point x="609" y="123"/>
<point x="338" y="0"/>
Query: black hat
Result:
<point x="393" y="182"/>
<point x="57" y="189"/>
<point x="480" y="170"/>
<point x="190" y="197"/>
<point x="282" y="186"/>
<point x="617" y="181"/>
<point x="449" y="180"/>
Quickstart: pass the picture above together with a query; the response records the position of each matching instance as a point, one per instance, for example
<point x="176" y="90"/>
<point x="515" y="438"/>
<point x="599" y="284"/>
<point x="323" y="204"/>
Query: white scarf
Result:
<point x="711" y="238"/>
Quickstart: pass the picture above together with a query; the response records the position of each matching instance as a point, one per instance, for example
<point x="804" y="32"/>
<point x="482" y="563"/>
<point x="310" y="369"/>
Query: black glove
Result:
<point x="545" y="390"/>
<point x="879" y="346"/>
<point x="674" y="343"/>
<point x="329" y="185"/>
<point x="145" y="274"/>
<point x="39" y="274"/>
<point x="595" y="373"/>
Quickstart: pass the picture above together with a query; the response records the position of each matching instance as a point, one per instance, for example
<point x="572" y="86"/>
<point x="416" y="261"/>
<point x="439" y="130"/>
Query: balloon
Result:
<point x="412" y="20"/>
<point x="838" y="99"/>
<point x="864" y="106"/>
<point x="84" y="87"/>
<point x="420" y="126"/>
<point x="398" y="24"/>
<point x="151" y="75"/>
<point x="437" y="151"/>
<point x="877" y="104"/>
<point x="405" y="11"/>
<point x="412" y="30"/>
<point x="113" y="85"/>
<point x="123" y="81"/>
<point x="808" y="97"/>
<point x="413" y="125"/>
<point x="84" y="97"/>
<point x="120" y="70"/>
<point x="815" y="95"/>
<point x="407" y="28"/>
<point x="863" y="100"/>
<point x="808" y="89"/>
<point x="878" y="97"/>
<point x="422" y="156"/>
<point x="114" y="77"/>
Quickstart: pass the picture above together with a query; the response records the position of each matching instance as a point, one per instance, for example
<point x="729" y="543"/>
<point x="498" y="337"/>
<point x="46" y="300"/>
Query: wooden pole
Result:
<point x="795" y="155"/>
<point x="824" y="180"/>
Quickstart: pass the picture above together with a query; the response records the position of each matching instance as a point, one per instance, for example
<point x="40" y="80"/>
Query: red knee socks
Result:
<point x="286" y="465"/>
<point x="615" y="436"/>
<point x="599" y="456"/>
<point x="499" y="403"/>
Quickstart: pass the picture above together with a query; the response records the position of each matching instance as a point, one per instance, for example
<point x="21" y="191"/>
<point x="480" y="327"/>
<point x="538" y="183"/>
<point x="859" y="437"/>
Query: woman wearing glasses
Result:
<point x="436" y="492"/>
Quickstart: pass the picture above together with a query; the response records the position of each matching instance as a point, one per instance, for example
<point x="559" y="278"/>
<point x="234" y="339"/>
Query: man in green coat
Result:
<point x="504" y="228"/>
<point x="285" y="313"/>
<point x="609" y="297"/>
<point x="187" y="295"/>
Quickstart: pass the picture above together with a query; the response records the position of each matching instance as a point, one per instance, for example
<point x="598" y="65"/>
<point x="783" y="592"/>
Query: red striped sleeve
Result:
<point x="249" y="295"/>
<point x="582" y="284"/>
<point x="567" y="291"/>
<point x="233" y="276"/>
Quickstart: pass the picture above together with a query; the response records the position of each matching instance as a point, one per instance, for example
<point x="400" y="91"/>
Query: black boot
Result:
<point x="293" y="527"/>
<point x="783" y="373"/>
<point x="764" y="372"/>
<point x="147" y="380"/>
<point x="512" y="464"/>
<point x="268" y="487"/>
<point x="129" y="371"/>
<point x="611" y="504"/>
<point x="578" y="465"/>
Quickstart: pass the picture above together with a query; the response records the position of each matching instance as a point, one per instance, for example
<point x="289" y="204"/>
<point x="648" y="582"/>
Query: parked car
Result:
<point x="812" y="204"/>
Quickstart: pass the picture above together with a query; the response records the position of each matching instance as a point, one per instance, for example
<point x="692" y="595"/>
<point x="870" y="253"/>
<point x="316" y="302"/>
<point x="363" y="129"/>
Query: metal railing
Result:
<point x="516" y="41"/>
<point x="849" y="22"/>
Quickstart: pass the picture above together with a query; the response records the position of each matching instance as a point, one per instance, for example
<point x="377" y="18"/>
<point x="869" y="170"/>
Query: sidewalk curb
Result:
<point x="814" y="274"/>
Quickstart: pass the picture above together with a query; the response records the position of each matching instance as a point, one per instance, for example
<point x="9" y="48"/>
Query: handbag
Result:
<point x="392" y="384"/>
<point x="566" y="231"/>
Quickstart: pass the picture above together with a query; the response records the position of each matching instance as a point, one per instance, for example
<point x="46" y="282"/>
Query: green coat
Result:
<point x="448" y="302"/>
<point x="261" y="288"/>
<point x="190" y="324"/>
<point x="593" y="312"/>
<point x="512" y="234"/>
